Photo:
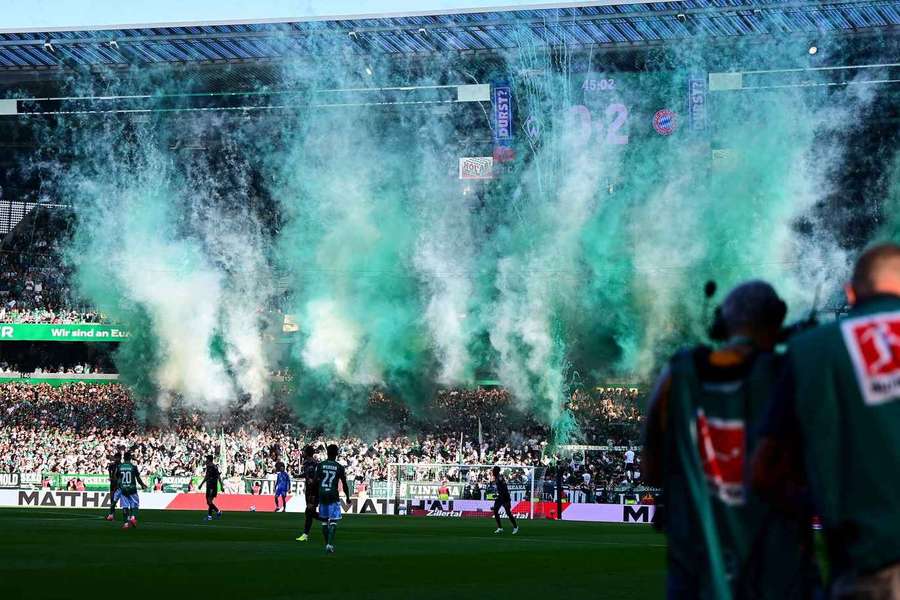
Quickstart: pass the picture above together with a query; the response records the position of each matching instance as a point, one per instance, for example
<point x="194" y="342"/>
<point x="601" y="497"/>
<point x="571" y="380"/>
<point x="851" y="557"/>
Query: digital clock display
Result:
<point x="612" y="109"/>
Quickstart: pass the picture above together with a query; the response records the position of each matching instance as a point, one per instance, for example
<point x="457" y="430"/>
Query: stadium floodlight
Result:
<point x="813" y="49"/>
<point x="369" y="70"/>
<point x="113" y="44"/>
<point x="48" y="46"/>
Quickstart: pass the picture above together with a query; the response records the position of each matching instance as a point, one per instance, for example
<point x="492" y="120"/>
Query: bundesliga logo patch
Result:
<point x="873" y="343"/>
<point x="721" y="445"/>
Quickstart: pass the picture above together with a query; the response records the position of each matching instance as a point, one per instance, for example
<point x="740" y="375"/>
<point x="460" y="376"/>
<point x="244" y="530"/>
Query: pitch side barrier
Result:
<point x="361" y="505"/>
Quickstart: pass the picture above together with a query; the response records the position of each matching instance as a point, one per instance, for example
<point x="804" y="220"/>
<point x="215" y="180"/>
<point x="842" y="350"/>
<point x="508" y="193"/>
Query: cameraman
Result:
<point x="723" y="542"/>
<point x="836" y="422"/>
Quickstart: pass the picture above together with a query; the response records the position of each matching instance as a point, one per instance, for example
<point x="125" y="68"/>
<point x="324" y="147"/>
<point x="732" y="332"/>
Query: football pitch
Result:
<point x="47" y="553"/>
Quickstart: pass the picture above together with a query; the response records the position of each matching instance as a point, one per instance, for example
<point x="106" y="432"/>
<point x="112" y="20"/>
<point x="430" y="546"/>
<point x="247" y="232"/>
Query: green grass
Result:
<point x="49" y="553"/>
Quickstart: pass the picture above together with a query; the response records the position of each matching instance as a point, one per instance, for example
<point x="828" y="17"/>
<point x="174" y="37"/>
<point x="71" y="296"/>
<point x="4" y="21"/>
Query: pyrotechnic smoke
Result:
<point x="891" y="230"/>
<point x="585" y="255"/>
<point x="445" y="255"/>
<point x="156" y="249"/>
<point x="736" y="202"/>
<point x="350" y="186"/>
<point x="235" y="241"/>
<point x="540" y="266"/>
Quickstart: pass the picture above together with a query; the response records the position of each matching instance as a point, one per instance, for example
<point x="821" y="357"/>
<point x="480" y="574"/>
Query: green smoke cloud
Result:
<point x="583" y="258"/>
<point x="156" y="249"/>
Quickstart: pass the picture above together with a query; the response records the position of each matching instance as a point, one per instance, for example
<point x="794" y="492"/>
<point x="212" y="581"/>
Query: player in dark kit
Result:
<point x="282" y="485"/>
<point x="212" y="479"/>
<point x="503" y="501"/>
<point x="112" y="470"/>
<point x="328" y="474"/>
<point x="311" y="490"/>
<point x="127" y="480"/>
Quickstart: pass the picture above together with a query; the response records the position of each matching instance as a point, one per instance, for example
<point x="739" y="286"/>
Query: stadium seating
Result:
<point x="73" y="428"/>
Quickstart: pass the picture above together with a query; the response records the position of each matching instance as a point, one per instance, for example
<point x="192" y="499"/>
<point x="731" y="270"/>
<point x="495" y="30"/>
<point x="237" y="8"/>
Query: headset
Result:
<point x="775" y="310"/>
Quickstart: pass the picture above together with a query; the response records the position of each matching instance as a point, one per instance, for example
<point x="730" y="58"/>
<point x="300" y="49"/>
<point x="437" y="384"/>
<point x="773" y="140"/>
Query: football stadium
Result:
<point x="450" y="299"/>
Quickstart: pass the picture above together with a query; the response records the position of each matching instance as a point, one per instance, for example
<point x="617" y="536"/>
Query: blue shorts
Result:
<point x="129" y="501"/>
<point x="281" y="491"/>
<point x="331" y="511"/>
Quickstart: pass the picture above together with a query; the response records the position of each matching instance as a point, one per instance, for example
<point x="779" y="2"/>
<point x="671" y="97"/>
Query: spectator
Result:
<point x="72" y="428"/>
<point x="629" y="464"/>
<point x="34" y="288"/>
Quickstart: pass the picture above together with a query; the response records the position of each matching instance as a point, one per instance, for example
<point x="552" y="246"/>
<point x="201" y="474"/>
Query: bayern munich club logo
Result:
<point x="664" y="122"/>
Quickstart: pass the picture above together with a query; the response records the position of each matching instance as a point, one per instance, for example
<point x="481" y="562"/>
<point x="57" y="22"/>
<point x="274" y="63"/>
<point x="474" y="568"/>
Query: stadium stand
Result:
<point x="73" y="428"/>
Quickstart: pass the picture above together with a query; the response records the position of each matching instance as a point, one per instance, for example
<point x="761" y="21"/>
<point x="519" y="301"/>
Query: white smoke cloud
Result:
<point x="534" y="287"/>
<point x="181" y="294"/>
<point x="333" y="340"/>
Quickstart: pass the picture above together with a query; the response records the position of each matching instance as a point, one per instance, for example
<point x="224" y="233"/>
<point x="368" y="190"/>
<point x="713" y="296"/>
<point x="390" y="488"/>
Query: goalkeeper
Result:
<point x="503" y="501"/>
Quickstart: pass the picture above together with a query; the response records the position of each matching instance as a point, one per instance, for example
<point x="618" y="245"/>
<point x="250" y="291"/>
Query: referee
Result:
<point x="112" y="470"/>
<point x="311" y="490"/>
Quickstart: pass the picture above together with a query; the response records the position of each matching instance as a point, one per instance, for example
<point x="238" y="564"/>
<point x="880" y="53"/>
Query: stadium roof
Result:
<point x="599" y="24"/>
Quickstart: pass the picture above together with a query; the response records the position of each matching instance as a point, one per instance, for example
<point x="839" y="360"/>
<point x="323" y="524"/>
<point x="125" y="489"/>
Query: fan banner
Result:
<point x="62" y="333"/>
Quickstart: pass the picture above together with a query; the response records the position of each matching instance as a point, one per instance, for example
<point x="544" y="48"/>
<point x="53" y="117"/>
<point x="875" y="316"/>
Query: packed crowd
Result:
<point x="34" y="288"/>
<point x="604" y="415"/>
<point x="75" y="428"/>
<point x="607" y="413"/>
<point x="74" y="368"/>
<point x="10" y="313"/>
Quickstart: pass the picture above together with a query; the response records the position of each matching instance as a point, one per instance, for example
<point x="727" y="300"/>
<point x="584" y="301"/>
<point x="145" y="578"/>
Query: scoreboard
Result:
<point x="617" y="109"/>
<point x="612" y="111"/>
